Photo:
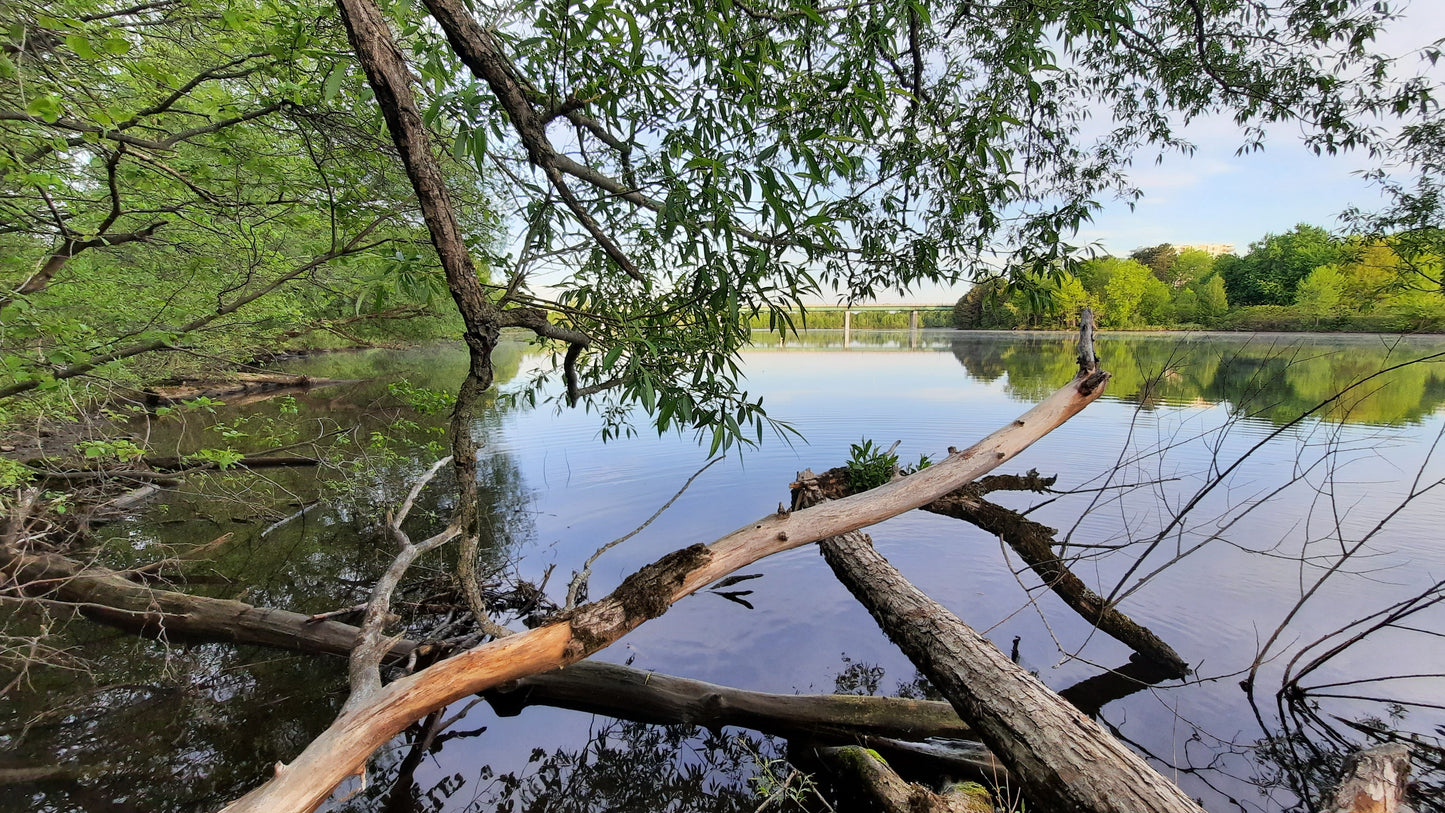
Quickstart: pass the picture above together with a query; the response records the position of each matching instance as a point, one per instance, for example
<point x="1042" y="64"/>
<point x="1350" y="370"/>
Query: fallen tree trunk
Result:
<point x="1033" y="542"/>
<point x="108" y="597"/>
<point x="1067" y="761"/>
<point x="343" y="749"/>
<point x="266" y="385"/>
<point x="648" y="697"/>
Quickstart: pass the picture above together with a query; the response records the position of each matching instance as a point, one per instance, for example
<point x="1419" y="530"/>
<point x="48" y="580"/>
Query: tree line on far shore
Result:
<point x="1304" y="279"/>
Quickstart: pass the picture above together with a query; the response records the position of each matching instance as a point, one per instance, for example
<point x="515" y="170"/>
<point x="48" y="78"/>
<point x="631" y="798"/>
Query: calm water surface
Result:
<point x="1181" y="413"/>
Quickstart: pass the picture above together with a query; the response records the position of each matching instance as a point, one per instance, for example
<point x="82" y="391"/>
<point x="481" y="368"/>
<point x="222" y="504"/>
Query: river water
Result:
<point x="1210" y="490"/>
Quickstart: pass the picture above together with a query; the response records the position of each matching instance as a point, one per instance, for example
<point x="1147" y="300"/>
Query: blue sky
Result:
<point x="1215" y="196"/>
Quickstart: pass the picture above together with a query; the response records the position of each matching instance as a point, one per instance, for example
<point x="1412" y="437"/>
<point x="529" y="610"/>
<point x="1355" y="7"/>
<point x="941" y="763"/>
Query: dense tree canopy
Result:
<point x="1274" y="266"/>
<point x="667" y="172"/>
<point x="174" y="167"/>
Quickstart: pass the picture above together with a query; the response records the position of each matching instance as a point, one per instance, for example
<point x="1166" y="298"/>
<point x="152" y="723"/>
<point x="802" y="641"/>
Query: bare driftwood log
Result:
<point x="1067" y="761"/>
<point x="342" y="749"/>
<point x="1033" y="542"/>
<point x="865" y="769"/>
<point x="1374" y="780"/>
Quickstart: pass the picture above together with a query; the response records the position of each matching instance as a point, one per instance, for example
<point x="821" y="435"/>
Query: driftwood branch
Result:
<point x="343" y="748"/>
<point x="371" y="643"/>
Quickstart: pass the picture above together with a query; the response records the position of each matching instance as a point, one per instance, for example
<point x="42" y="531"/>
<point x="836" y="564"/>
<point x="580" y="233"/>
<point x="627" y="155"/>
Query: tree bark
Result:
<point x="342" y="749"/>
<point x="1374" y="780"/>
<point x="648" y="697"/>
<point x="1067" y="761"/>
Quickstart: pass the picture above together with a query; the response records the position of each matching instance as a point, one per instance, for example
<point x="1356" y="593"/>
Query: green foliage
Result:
<point x="982" y="308"/>
<point x="223" y="459"/>
<point x="1191" y="267"/>
<point x="176" y="161"/>
<point x="1320" y="293"/>
<point x="1159" y="259"/>
<point x="1271" y="272"/>
<point x="116" y="449"/>
<point x="13" y="474"/>
<point x="422" y="399"/>
<point x="870" y="466"/>
<point x="1127" y="292"/>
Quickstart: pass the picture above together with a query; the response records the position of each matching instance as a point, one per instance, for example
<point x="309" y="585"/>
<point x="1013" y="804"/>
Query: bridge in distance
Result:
<point x="849" y="310"/>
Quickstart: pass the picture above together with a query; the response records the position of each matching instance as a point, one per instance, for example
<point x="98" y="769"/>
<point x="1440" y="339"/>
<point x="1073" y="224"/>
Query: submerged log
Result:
<point x="1374" y="780"/>
<point x="255" y="386"/>
<point x="649" y="697"/>
<point x="1067" y="761"/>
<point x="866" y="770"/>
<point x="1034" y="543"/>
<point x="256" y="462"/>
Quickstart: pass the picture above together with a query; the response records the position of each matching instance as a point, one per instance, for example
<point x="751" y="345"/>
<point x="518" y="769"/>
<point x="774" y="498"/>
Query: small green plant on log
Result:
<point x="870" y="466"/>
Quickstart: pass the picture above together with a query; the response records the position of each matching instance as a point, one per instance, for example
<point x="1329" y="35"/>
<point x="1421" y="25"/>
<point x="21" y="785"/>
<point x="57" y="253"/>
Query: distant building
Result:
<point x="1212" y="249"/>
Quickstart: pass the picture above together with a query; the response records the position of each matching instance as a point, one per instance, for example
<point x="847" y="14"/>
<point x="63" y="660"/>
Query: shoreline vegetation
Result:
<point x="1305" y="280"/>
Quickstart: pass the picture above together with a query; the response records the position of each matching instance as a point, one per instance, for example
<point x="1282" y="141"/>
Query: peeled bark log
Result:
<point x="1066" y="761"/>
<point x="1374" y="780"/>
<point x="342" y="750"/>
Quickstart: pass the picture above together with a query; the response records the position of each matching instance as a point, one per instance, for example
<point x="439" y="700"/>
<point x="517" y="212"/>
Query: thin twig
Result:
<point x="579" y="579"/>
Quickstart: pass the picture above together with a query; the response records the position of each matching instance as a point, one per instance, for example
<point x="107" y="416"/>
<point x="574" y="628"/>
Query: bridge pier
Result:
<point x="913" y="319"/>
